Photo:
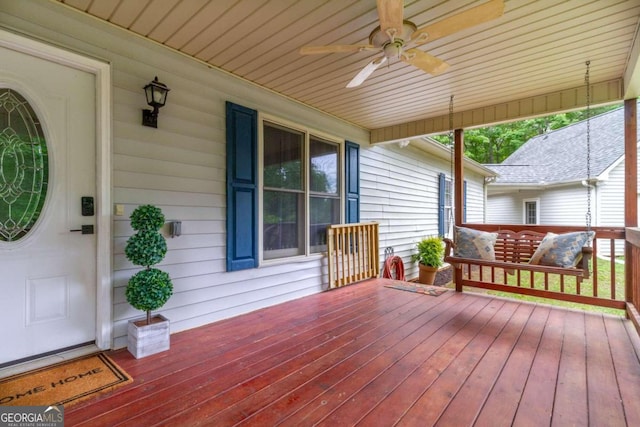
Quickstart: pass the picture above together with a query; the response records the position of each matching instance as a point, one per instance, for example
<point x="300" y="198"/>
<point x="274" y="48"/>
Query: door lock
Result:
<point x="87" y="206"/>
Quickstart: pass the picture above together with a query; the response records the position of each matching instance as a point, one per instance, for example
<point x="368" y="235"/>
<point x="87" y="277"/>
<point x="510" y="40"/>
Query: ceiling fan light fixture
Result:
<point x="379" y="38"/>
<point x="393" y="49"/>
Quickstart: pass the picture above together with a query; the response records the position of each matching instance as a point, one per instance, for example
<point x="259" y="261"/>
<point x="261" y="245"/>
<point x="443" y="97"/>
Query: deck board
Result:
<point x="464" y="409"/>
<point x="502" y="403"/>
<point x="605" y="406"/>
<point x="570" y="407"/>
<point x="435" y="399"/>
<point x="333" y="385"/>
<point x="541" y="382"/>
<point x="399" y="390"/>
<point x="371" y="355"/>
<point x="625" y="359"/>
<point x="362" y="341"/>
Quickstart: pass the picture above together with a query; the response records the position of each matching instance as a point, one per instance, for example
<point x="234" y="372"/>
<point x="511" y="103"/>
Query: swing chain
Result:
<point x="588" y="214"/>
<point x="451" y="146"/>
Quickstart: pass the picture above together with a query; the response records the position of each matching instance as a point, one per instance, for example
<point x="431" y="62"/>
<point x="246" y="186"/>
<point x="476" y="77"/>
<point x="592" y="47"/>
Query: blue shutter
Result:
<point x="441" y="194"/>
<point x="464" y="201"/>
<point x="242" y="187"/>
<point x="352" y="170"/>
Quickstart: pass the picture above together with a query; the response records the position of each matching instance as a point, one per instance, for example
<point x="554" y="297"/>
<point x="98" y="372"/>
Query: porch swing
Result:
<point x="566" y="254"/>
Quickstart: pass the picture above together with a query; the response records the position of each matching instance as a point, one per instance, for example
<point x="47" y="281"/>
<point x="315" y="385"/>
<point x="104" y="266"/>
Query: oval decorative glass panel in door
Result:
<point x="24" y="166"/>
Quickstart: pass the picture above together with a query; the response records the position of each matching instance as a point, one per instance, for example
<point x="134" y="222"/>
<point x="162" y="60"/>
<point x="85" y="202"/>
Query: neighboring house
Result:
<point x="544" y="181"/>
<point x="229" y="160"/>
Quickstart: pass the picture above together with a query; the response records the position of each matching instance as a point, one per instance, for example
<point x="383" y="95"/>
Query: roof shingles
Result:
<point x="561" y="155"/>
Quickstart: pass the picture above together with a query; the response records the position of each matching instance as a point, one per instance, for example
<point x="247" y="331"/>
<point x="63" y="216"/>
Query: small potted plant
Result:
<point x="149" y="289"/>
<point x="429" y="256"/>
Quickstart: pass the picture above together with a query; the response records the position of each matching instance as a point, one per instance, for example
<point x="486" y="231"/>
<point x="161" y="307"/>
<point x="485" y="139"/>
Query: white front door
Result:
<point x="47" y="166"/>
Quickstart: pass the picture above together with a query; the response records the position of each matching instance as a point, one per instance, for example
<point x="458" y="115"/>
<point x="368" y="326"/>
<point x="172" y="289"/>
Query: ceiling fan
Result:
<point x="397" y="38"/>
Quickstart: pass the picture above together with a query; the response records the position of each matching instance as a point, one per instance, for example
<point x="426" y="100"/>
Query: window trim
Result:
<point x="307" y="131"/>
<point x="447" y="203"/>
<point x="449" y="213"/>
<point x="525" y="213"/>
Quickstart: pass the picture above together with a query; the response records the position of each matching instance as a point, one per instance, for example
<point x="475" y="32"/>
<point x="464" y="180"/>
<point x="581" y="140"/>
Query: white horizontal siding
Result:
<point x="557" y="206"/>
<point x="180" y="167"/>
<point x="611" y="198"/>
<point x="399" y="190"/>
<point x="565" y="205"/>
<point x="503" y="209"/>
<point x="475" y="198"/>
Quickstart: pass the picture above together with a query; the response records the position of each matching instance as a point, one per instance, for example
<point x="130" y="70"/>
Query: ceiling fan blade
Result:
<point x="343" y="48"/>
<point x="424" y="61"/>
<point x="390" y="14"/>
<point x="477" y="15"/>
<point x="366" y="71"/>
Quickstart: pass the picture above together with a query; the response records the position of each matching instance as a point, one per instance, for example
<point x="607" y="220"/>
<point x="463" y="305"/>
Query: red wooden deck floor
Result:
<point x="374" y="356"/>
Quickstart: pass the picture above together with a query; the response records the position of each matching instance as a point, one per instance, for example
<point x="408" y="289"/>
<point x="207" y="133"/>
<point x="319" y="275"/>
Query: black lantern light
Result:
<point x="156" y="93"/>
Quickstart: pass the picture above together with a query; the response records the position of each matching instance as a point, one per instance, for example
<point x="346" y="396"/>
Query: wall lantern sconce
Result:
<point x="156" y="93"/>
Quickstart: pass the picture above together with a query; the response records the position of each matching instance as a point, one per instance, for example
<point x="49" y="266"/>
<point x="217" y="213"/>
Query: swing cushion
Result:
<point x="561" y="250"/>
<point x="474" y="244"/>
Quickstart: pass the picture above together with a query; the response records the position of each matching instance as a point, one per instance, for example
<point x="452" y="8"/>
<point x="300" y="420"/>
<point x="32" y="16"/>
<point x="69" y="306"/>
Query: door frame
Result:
<point x="102" y="72"/>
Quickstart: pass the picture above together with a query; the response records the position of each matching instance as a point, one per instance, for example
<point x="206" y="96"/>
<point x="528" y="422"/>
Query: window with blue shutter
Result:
<point x="352" y="170"/>
<point x="301" y="189"/>
<point x="242" y="187"/>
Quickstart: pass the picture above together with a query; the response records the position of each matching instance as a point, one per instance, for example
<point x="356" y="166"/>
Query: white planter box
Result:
<point x="145" y="340"/>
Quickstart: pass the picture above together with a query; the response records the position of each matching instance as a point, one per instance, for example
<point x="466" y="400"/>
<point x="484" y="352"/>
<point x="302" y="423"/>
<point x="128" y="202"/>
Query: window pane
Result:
<point x="324" y="166"/>
<point x="324" y="211"/>
<point x="283" y="222"/>
<point x="448" y="192"/>
<point x="530" y="212"/>
<point x="282" y="157"/>
<point x="24" y="166"/>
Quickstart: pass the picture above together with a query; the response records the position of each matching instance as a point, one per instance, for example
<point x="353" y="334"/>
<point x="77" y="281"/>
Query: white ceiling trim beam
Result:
<point x="632" y="71"/>
<point x="534" y="106"/>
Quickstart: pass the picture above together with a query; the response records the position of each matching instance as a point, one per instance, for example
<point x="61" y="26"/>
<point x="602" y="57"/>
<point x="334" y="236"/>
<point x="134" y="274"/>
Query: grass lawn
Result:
<point x="586" y="288"/>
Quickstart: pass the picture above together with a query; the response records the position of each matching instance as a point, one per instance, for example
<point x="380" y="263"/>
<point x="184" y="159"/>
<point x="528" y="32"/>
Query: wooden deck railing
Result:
<point x="601" y="289"/>
<point x="632" y="256"/>
<point x="353" y="254"/>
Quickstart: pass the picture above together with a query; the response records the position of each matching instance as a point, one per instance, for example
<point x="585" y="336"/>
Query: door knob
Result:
<point x="86" y="229"/>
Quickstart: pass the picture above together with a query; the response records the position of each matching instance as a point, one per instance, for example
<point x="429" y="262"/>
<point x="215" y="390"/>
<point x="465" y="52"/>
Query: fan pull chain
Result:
<point x="586" y="80"/>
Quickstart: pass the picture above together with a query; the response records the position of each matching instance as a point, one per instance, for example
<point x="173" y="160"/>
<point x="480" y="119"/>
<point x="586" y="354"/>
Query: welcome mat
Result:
<point x="415" y="287"/>
<point x="63" y="383"/>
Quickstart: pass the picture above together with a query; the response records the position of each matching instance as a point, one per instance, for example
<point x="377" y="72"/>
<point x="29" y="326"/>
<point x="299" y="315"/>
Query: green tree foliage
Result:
<point x="496" y="143"/>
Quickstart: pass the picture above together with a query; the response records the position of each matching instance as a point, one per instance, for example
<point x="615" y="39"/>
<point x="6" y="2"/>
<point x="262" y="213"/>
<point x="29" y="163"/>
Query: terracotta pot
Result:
<point x="427" y="275"/>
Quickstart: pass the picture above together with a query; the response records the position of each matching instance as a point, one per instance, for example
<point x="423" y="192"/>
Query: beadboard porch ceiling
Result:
<point x="536" y="50"/>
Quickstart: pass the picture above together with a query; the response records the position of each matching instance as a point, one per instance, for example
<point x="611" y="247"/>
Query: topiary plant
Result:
<point x="146" y="248"/>
<point x="149" y="289"/>
<point x="430" y="252"/>
<point x="147" y="218"/>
